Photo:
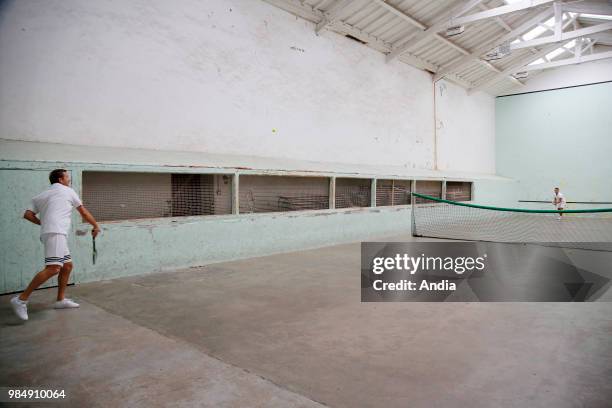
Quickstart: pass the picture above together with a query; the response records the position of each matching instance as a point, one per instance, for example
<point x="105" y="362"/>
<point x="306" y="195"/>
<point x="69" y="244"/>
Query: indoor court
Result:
<point x="225" y="190"/>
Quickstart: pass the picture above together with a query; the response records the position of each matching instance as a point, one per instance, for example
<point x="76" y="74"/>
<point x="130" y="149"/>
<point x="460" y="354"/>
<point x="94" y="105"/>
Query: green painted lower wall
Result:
<point x="21" y="252"/>
<point x="557" y="138"/>
<point x="149" y="246"/>
<point x="146" y="246"/>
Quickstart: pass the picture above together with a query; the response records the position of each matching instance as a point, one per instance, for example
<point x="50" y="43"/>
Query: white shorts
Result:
<point x="56" y="249"/>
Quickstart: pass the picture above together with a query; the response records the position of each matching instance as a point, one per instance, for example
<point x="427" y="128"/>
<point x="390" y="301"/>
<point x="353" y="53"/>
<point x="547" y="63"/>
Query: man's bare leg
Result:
<point x="62" y="280"/>
<point x="40" y="278"/>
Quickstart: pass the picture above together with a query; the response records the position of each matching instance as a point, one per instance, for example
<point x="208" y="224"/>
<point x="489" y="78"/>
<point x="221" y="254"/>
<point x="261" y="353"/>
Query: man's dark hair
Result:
<point x="55" y="175"/>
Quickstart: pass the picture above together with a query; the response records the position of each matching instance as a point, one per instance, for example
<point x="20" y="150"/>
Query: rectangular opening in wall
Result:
<point x="259" y="194"/>
<point x="353" y="192"/>
<point x="392" y="192"/>
<point x="459" y="190"/>
<point x="432" y="188"/>
<point x="113" y="196"/>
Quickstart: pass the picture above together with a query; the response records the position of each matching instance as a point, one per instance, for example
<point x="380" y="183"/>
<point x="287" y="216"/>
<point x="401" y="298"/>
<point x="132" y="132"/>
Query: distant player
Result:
<point x="55" y="208"/>
<point x="559" y="201"/>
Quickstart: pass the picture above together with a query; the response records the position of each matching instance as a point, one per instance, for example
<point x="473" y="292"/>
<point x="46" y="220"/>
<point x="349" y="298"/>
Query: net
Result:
<point x="583" y="229"/>
<point x="353" y="192"/>
<point x="392" y="192"/>
<point x="118" y="196"/>
<point x="260" y="194"/>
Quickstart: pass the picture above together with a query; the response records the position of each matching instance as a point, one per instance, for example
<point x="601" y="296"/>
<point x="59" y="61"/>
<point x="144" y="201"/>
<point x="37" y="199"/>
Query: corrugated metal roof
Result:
<point x="373" y="22"/>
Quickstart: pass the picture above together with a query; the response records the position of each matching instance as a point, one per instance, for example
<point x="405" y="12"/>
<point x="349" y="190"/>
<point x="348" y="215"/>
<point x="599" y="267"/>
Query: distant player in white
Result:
<point x="559" y="201"/>
<point x="55" y="208"/>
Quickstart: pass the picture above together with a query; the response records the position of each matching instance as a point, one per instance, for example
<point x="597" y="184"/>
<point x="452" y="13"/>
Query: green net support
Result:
<point x="584" y="229"/>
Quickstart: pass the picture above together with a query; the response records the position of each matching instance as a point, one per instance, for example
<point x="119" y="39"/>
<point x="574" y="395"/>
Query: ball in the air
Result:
<point x="273" y="130"/>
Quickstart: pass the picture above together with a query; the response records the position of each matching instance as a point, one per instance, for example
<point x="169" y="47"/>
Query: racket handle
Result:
<point x="94" y="252"/>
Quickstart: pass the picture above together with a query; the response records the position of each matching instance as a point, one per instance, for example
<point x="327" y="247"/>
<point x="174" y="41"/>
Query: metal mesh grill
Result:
<point x="112" y="196"/>
<point x="353" y="192"/>
<point x="283" y="193"/>
<point x="458" y="191"/>
<point x="392" y="192"/>
<point x="584" y="230"/>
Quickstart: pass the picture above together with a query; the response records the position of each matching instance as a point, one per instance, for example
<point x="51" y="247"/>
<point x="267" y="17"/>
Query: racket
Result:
<point x="95" y="251"/>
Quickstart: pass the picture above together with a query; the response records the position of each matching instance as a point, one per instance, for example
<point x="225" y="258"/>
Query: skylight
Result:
<point x="554" y="53"/>
<point x="551" y="21"/>
<point x="538" y="61"/>
<point x="538" y="30"/>
<point x="530" y="35"/>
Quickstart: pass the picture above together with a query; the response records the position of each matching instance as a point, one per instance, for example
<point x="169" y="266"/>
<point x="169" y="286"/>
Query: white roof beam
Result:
<point x="563" y="27"/>
<point x="330" y="16"/>
<point x="588" y="46"/>
<point x="603" y="37"/>
<point x="564" y="36"/>
<point x="418" y="24"/>
<point x="572" y="20"/>
<point x="343" y="28"/>
<point x="429" y="31"/>
<point x="513" y="68"/>
<point x="310" y="13"/>
<point x="500" y="21"/>
<point x="400" y="14"/>
<point x="558" y="20"/>
<point x="568" y="61"/>
<point x="589" y="7"/>
<point x="582" y="45"/>
<point x="500" y="11"/>
<point x="460" y="63"/>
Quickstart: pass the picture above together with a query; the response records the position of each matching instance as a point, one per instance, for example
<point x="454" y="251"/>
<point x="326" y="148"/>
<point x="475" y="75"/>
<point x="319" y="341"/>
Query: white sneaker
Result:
<point x="66" y="304"/>
<point x="20" y="308"/>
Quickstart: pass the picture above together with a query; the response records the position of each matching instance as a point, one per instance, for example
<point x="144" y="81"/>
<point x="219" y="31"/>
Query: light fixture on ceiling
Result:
<point x="455" y="30"/>
<point x="498" y="52"/>
<point x="521" y="75"/>
<point x="493" y="55"/>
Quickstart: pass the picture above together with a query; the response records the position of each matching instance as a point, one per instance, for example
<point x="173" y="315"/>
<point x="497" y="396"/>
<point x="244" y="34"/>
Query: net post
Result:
<point x="332" y="192"/>
<point x="235" y="193"/>
<point x="412" y="218"/>
<point x="373" y="193"/>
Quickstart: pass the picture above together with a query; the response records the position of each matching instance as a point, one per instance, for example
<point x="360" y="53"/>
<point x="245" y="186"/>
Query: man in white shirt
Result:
<point x="54" y="207"/>
<point x="559" y="201"/>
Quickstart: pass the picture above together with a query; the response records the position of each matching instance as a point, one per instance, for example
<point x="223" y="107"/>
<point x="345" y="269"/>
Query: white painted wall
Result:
<point x="465" y="128"/>
<point x="569" y="75"/>
<point x="218" y="76"/>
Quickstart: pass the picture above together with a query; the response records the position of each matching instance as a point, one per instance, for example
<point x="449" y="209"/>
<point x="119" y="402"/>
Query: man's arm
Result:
<point x="30" y="216"/>
<point x="90" y="219"/>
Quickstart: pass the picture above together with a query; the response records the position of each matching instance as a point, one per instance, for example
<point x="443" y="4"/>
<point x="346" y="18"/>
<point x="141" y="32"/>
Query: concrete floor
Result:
<point x="290" y="331"/>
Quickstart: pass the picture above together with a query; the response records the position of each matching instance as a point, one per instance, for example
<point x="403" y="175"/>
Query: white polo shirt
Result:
<point x="55" y="208"/>
<point x="560" y="198"/>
